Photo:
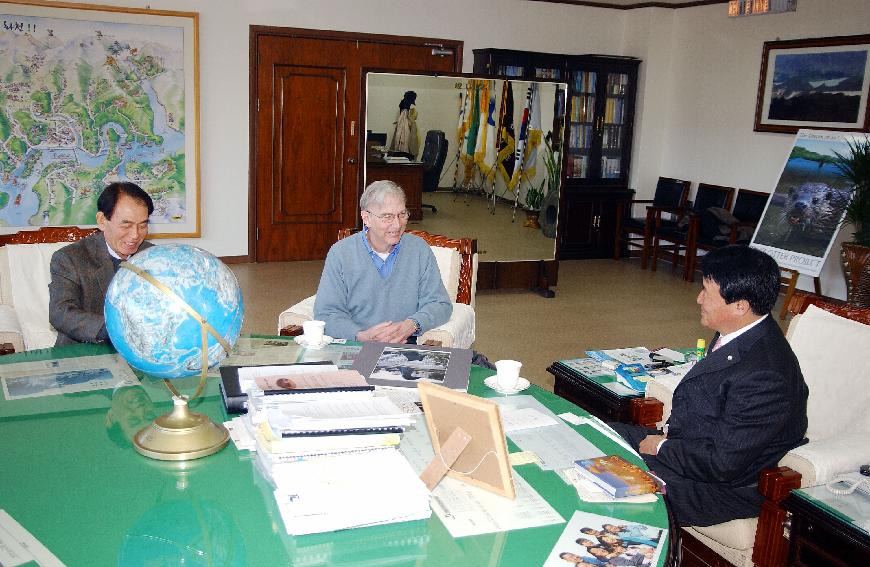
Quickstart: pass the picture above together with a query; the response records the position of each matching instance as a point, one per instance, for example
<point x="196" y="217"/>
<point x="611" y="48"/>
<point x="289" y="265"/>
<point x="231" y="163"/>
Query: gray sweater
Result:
<point x="352" y="296"/>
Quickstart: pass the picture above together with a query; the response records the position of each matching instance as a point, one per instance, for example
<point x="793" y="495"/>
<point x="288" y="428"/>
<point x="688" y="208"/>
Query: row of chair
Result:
<point x="671" y="225"/>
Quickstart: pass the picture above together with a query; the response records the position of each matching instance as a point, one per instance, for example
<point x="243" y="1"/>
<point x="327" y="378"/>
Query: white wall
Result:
<point x="224" y="38"/>
<point x="698" y="103"/>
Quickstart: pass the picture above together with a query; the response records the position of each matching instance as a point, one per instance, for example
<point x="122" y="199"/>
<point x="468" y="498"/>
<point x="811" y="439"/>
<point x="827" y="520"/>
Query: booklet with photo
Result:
<point x="403" y="365"/>
<point x="617" y="476"/>
<point x="602" y="540"/>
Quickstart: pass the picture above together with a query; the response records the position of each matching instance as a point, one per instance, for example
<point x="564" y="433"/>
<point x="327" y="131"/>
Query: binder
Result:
<point x="235" y="400"/>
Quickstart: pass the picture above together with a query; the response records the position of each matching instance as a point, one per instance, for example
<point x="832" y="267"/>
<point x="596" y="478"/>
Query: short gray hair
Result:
<point x="377" y="192"/>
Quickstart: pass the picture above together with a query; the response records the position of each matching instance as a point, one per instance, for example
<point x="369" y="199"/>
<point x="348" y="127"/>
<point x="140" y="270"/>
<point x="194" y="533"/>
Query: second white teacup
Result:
<point x="507" y="374"/>
<point x="313" y="331"/>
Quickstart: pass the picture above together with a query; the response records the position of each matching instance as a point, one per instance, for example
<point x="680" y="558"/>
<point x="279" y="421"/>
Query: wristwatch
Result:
<point x="416" y="326"/>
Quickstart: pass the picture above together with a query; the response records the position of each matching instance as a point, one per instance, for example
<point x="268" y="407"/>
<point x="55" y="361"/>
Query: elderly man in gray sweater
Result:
<point x="381" y="284"/>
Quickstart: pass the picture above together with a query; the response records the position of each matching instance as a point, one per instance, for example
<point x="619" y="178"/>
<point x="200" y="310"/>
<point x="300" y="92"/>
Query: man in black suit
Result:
<point x="740" y="408"/>
<point x="81" y="272"/>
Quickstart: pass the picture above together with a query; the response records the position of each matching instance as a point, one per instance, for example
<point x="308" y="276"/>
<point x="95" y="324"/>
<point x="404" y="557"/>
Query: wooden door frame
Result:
<point x="256" y="32"/>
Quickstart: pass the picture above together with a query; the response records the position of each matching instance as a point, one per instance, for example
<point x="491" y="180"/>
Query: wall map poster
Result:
<point x="95" y="95"/>
<point x="807" y="206"/>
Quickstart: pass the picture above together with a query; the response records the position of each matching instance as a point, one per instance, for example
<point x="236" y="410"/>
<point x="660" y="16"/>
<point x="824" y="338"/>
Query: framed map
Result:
<point x="95" y="94"/>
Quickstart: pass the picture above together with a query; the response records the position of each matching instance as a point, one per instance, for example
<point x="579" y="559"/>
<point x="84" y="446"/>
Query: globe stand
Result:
<point x="181" y="434"/>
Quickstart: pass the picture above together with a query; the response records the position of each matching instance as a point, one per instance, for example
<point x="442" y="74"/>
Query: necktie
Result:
<point x="718" y="343"/>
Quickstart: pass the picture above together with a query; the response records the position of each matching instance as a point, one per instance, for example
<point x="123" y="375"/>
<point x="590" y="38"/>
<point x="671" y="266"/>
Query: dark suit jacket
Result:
<point x="738" y="411"/>
<point x="80" y="276"/>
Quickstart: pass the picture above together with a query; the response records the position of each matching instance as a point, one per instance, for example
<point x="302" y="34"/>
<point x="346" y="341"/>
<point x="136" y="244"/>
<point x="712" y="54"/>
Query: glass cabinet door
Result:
<point x="581" y="129"/>
<point x="612" y="131"/>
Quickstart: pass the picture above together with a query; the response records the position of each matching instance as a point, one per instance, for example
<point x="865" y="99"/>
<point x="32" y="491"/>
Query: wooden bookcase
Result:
<point x="597" y="140"/>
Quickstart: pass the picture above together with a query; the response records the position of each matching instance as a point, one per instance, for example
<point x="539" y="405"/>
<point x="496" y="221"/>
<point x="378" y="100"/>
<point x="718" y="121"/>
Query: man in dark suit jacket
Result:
<point x="740" y="408"/>
<point x="81" y="272"/>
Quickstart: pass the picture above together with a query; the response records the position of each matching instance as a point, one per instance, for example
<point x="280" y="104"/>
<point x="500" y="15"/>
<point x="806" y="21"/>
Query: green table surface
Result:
<point x="83" y="492"/>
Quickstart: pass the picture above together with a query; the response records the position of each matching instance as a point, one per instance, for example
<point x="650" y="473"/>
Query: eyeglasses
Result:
<point x="387" y="218"/>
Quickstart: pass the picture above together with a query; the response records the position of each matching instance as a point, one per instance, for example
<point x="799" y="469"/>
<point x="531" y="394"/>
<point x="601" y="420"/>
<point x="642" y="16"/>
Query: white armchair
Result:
<point x="457" y="262"/>
<point x="24" y="278"/>
<point x="832" y="351"/>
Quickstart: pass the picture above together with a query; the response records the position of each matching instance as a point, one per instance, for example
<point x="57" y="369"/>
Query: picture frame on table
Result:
<point x="818" y="83"/>
<point x="97" y="94"/>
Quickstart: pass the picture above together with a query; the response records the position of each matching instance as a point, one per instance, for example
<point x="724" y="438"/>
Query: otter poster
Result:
<point x="806" y="207"/>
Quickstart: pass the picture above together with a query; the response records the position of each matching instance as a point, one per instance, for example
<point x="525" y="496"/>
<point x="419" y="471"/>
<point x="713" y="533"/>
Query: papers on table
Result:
<point x="518" y="419"/>
<point x="348" y="491"/>
<point x="19" y="547"/>
<point x="467" y="510"/>
<point x="340" y="415"/>
<point x="65" y="376"/>
<point x="556" y="445"/>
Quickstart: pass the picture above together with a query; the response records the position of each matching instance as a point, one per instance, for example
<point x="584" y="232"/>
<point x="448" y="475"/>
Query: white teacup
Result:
<point x="313" y="331"/>
<point x="507" y="374"/>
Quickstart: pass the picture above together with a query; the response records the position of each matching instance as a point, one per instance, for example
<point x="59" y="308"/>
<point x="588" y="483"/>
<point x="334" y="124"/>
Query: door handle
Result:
<point x="351" y="161"/>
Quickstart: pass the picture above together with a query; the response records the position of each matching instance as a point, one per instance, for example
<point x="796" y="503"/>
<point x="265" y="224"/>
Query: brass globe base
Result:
<point x="181" y="435"/>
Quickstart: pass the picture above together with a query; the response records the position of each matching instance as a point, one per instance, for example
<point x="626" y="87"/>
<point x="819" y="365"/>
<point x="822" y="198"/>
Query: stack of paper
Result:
<point x="348" y="491"/>
<point x="338" y="417"/>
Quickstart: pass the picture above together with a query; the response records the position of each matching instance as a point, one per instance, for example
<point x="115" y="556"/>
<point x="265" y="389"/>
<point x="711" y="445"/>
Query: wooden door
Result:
<point x="307" y="110"/>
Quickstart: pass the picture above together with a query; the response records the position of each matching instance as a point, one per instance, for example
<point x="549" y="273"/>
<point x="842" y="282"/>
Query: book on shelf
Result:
<point x="618" y="477"/>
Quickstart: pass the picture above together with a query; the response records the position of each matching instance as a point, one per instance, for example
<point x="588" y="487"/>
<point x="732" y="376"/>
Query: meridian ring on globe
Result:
<point x="204" y="325"/>
<point x="174" y="311"/>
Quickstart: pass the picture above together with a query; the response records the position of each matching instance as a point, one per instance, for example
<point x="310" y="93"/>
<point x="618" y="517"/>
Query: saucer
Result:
<point x="522" y="384"/>
<point x="300" y="340"/>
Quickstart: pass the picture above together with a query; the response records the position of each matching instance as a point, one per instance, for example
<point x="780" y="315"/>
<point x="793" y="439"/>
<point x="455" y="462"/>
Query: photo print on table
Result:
<point x="590" y="539"/>
<point x="411" y="364"/>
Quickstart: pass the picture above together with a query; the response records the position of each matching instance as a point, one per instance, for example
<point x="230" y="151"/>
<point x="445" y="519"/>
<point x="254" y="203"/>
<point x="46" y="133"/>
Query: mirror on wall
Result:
<point x="421" y="132"/>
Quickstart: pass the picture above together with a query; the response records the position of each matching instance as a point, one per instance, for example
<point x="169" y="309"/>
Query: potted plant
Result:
<point x="854" y="167"/>
<point x="534" y="197"/>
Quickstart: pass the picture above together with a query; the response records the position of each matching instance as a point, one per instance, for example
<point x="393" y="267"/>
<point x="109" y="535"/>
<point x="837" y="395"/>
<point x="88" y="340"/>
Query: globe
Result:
<point x="152" y="330"/>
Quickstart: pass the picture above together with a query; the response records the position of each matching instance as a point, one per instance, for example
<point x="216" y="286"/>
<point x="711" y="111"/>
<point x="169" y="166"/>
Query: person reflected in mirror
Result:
<point x="381" y="284"/>
<point x="740" y="408"/>
<point x="131" y="410"/>
<point x="81" y="271"/>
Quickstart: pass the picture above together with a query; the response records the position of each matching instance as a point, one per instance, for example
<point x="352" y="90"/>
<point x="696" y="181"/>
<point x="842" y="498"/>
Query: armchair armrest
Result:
<point x="458" y="332"/>
<point x="10" y="328"/>
<point x="820" y="461"/>
<point x="297" y="314"/>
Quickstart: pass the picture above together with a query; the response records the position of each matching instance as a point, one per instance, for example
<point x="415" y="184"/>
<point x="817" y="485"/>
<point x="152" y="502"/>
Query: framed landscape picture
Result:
<point x="819" y="83"/>
<point x="90" y="95"/>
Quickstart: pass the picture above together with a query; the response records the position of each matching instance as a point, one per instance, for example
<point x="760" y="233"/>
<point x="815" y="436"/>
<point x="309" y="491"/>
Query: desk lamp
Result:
<point x="173" y="311"/>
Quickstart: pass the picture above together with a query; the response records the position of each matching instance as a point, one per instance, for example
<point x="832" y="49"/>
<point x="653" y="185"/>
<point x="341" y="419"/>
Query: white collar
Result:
<point x="725" y="339"/>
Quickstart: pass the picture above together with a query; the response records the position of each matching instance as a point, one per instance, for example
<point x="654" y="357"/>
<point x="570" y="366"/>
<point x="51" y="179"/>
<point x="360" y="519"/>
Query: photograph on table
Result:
<point x="806" y="208"/>
<point x="404" y="366"/>
<point x="814" y="83"/>
<point x="64" y="376"/>
<point x="412" y="364"/>
<point x="590" y="539"/>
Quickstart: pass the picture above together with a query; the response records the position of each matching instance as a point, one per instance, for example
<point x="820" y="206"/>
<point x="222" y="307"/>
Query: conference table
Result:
<point x="72" y="479"/>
